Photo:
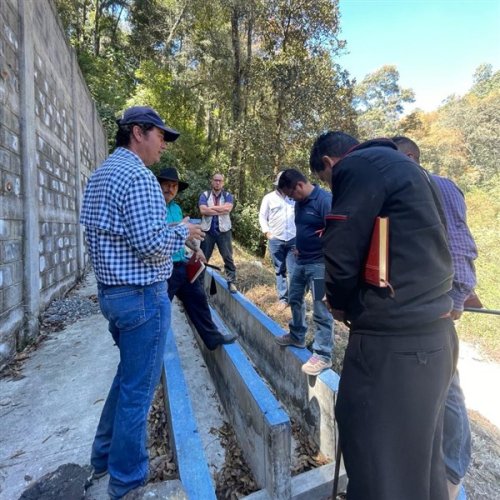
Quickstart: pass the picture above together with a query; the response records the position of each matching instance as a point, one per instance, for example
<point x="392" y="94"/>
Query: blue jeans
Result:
<point x="456" y="433"/>
<point x="139" y="317"/>
<point x="283" y="257"/>
<point x="302" y="277"/>
<point x="225" y="245"/>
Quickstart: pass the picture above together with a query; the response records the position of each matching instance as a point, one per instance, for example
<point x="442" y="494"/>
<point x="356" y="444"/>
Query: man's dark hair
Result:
<point x="407" y="146"/>
<point x="332" y="144"/>
<point x="124" y="133"/>
<point x="290" y="177"/>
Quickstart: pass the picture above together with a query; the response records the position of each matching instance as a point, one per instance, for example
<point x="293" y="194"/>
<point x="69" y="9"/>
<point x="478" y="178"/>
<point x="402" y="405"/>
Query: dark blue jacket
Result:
<point x="310" y="223"/>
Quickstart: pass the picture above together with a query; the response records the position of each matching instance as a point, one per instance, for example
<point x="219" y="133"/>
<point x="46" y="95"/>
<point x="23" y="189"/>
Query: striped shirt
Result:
<point x="123" y="211"/>
<point x="460" y="241"/>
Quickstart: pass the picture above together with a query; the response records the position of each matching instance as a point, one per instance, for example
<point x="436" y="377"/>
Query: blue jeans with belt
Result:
<point x="139" y="318"/>
<point x="283" y="257"/>
<point x="456" y="433"/>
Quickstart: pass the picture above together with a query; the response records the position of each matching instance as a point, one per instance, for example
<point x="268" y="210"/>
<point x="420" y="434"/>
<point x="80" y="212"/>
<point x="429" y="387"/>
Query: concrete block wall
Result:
<point x="51" y="139"/>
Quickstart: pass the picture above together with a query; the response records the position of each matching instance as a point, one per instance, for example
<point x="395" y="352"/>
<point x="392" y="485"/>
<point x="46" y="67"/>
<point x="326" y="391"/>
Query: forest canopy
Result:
<point x="249" y="84"/>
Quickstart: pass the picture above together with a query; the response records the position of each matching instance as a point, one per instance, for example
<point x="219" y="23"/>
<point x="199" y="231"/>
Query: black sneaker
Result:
<point x="228" y="339"/>
<point x="98" y="474"/>
<point x="220" y="340"/>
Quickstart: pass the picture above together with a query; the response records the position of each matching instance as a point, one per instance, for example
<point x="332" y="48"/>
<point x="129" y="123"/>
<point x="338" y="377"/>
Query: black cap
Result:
<point x="145" y="114"/>
<point x="170" y="174"/>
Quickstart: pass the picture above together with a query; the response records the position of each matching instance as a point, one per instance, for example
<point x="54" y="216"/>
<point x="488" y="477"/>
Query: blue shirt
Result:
<point x="123" y="211"/>
<point x="460" y="241"/>
<point x="310" y="222"/>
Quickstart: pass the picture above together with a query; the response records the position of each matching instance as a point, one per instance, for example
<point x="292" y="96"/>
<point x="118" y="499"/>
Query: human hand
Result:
<point x="200" y="256"/>
<point x="269" y="235"/>
<point x="455" y="314"/>
<point x="195" y="231"/>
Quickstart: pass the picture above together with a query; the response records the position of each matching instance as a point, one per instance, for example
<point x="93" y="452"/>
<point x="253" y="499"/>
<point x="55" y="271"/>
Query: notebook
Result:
<point x="376" y="271"/>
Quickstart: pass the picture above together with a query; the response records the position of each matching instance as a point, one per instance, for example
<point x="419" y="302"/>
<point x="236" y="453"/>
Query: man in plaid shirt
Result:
<point x="130" y="246"/>
<point x="456" y="429"/>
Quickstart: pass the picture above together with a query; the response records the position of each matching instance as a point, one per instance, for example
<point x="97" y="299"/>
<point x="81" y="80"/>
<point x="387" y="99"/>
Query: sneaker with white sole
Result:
<point x="316" y="365"/>
<point x="282" y="305"/>
<point x="287" y="339"/>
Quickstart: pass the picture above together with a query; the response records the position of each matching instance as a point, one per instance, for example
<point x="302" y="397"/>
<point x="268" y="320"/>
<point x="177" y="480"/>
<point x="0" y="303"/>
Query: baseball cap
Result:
<point x="145" y="114"/>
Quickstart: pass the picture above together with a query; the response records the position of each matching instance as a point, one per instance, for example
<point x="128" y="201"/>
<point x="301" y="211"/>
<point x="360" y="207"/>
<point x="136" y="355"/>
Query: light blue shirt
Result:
<point x="174" y="214"/>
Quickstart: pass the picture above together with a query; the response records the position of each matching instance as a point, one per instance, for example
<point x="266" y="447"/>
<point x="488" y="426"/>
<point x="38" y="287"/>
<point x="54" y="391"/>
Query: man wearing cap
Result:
<point x="130" y="246"/>
<point x="215" y="208"/>
<point x="277" y="222"/>
<point x="192" y="295"/>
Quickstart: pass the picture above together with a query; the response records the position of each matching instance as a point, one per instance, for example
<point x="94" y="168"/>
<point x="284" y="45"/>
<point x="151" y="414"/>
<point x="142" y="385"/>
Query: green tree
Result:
<point x="379" y="100"/>
<point x="95" y="29"/>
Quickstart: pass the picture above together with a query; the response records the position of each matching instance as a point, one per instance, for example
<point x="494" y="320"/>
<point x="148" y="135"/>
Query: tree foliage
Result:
<point x="460" y="139"/>
<point x="250" y="84"/>
<point x="379" y="100"/>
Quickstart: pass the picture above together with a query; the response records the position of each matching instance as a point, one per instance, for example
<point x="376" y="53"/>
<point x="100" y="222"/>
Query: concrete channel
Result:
<point x="260" y="386"/>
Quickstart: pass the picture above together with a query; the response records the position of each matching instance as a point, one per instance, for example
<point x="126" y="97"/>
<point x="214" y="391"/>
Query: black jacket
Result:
<point x="377" y="180"/>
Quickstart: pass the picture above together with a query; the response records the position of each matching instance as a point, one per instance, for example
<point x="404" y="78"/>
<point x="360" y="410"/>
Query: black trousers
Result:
<point x="194" y="300"/>
<point x="390" y="413"/>
<point x="224" y="243"/>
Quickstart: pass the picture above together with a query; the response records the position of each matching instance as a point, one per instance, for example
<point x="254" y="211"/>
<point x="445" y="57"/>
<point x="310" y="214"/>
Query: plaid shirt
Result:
<point x="462" y="246"/>
<point x="123" y="210"/>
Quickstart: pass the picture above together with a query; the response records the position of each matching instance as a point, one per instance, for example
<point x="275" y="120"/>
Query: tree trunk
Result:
<point x="234" y="169"/>
<point x="97" y="35"/>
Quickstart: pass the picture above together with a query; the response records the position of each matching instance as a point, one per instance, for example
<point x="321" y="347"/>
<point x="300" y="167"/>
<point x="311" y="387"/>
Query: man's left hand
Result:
<point x="200" y="256"/>
<point x="455" y="314"/>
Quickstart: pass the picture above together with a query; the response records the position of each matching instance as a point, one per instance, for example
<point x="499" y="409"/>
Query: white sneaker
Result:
<point x="316" y="365"/>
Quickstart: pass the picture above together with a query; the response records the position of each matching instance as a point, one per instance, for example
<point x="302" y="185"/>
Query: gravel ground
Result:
<point x="63" y="312"/>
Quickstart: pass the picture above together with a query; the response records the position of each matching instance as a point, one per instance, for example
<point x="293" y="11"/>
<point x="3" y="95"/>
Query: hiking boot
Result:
<point x="287" y="339"/>
<point x="316" y="365"/>
<point x="232" y="287"/>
